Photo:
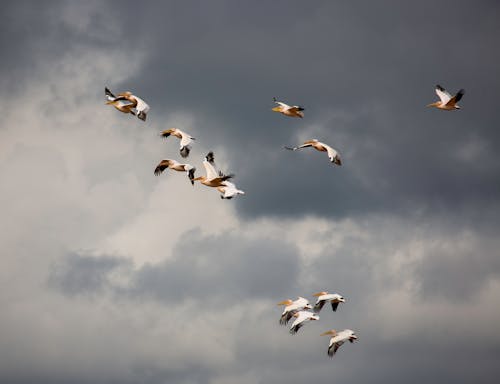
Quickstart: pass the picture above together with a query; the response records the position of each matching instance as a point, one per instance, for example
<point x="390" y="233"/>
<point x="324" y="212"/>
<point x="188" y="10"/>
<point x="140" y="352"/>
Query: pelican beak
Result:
<point x="276" y="109"/>
<point x="326" y="333"/>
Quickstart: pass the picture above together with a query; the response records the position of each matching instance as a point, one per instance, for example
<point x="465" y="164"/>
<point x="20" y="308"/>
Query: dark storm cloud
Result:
<point x="377" y="64"/>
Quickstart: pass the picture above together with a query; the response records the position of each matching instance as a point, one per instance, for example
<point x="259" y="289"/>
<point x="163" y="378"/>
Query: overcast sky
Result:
<point x="109" y="274"/>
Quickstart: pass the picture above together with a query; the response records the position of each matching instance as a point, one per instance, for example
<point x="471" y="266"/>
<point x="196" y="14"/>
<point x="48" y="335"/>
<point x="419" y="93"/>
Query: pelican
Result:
<point x="333" y="155"/>
<point x="228" y="190"/>
<point x="176" y="166"/>
<point x="292" y="307"/>
<point x="212" y="179"/>
<point x="126" y="102"/>
<point x="301" y="318"/>
<point x="323" y="297"/>
<point x="339" y="338"/>
<point x="287" y="110"/>
<point x="186" y="140"/>
<point x="447" y="102"/>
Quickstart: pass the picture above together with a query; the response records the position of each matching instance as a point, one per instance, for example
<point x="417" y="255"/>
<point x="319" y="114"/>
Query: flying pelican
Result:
<point x="447" y="102"/>
<point x="212" y="179"/>
<point x="301" y="318"/>
<point x="176" y="166"/>
<point x="126" y="102"/>
<point x="186" y="140"/>
<point x="228" y="190"/>
<point x="333" y="155"/>
<point x="323" y="297"/>
<point x="339" y="338"/>
<point x="287" y="110"/>
<point x="292" y="307"/>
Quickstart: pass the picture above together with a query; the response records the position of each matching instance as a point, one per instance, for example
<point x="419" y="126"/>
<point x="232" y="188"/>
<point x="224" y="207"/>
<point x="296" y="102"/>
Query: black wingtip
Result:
<point x="210" y="157"/>
<point x="439" y="87"/>
<point x="459" y="95"/>
<point x="184" y="151"/>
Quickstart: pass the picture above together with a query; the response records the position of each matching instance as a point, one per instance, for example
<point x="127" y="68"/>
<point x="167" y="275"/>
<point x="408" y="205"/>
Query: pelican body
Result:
<point x="126" y="102"/>
<point x="447" y="102"/>
<point x="292" y="307"/>
<point x="323" y="297"/>
<point x="301" y="318"/>
<point x="176" y="166"/>
<point x="212" y="179"/>
<point x="339" y="338"/>
<point x="287" y="110"/>
<point x="228" y="190"/>
<point x="333" y="155"/>
<point x="185" y="142"/>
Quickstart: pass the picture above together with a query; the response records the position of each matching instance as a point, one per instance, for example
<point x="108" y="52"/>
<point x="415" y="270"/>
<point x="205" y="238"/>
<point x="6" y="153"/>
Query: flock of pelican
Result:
<point x="302" y="312"/>
<point x="126" y="102"/>
<point x="299" y="310"/>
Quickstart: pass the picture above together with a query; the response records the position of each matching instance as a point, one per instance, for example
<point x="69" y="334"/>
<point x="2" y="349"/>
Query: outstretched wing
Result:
<point x="319" y="306"/>
<point x="162" y="166"/>
<point x="442" y="94"/>
<point x="209" y="168"/>
<point x="455" y="99"/>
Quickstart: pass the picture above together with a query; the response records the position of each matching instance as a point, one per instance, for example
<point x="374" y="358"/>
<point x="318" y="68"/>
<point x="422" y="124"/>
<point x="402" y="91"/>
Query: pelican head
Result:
<point x="308" y="306"/>
<point x="341" y="299"/>
<point x="331" y="332"/>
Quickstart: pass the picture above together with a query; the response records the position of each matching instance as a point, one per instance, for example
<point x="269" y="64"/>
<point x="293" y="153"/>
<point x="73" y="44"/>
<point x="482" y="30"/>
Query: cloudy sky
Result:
<point x="109" y="274"/>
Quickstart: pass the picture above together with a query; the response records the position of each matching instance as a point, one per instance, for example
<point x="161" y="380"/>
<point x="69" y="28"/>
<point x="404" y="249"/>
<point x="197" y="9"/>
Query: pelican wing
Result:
<point x="141" y="109"/>
<point x="333" y="155"/>
<point x="319" y="305"/>
<point x="186" y="140"/>
<point x="296" y="108"/>
<point x="455" y="99"/>
<point x="109" y="95"/>
<point x="164" y="164"/>
<point x="190" y="173"/>
<point x="283" y="105"/>
<point x="333" y="348"/>
<point x="209" y="168"/>
<point x="443" y="94"/>
<point x="286" y="316"/>
<point x="229" y="190"/>
<point x="335" y="305"/>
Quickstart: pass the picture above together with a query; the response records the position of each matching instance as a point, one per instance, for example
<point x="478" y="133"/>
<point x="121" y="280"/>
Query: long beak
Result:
<point x="432" y="105"/>
<point x="276" y="109"/>
<point x="318" y="294"/>
<point x="326" y="333"/>
<point x="284" y="302"/>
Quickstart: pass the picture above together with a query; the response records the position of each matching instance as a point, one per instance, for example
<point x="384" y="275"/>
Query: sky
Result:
<point x="109" y="274"/>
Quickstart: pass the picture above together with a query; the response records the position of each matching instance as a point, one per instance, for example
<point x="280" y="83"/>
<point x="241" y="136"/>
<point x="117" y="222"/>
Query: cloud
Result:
<point x="110" y="274"/>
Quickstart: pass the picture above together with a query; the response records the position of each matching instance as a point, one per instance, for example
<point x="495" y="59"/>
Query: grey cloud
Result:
<point x="83" y="274"/>
<point x="221" y="269"/>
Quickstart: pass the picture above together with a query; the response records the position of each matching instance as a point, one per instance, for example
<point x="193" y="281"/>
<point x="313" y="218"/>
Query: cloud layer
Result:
<point x="109" y="274"/>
